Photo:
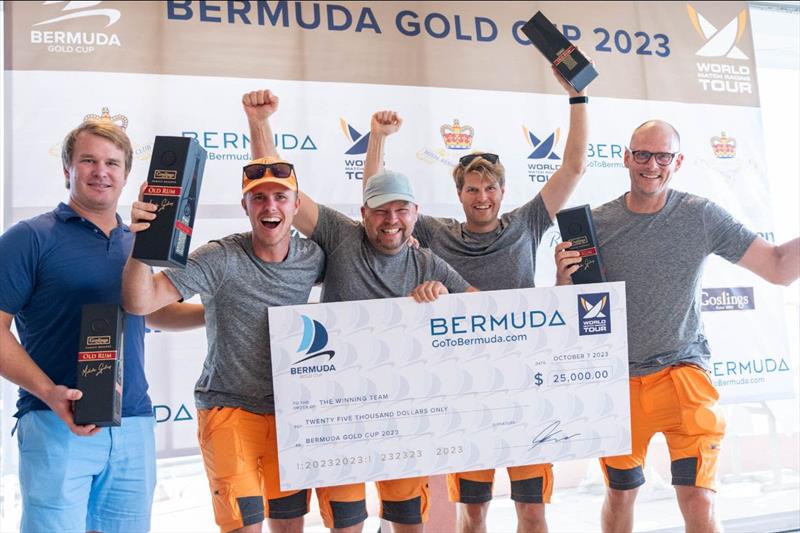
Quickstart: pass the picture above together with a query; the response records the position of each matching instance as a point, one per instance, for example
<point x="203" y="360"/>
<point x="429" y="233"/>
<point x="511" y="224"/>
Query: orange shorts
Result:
<point x="404" y="501"/>
<point x="529" y="484"/>
<point x="680" y="402"/>
<point x="241" y="458"/>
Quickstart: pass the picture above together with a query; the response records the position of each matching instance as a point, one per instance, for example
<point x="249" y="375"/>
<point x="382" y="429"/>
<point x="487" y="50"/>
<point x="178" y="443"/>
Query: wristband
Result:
<point x="578" y="100"/>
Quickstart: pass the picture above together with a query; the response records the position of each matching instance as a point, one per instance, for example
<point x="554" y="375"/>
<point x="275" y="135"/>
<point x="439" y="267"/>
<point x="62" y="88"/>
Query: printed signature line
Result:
<point x="572" y="439"/>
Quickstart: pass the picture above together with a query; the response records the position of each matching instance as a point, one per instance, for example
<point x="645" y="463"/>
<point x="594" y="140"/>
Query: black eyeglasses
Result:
<point x="256" y="171"/>
<point x="469" y="158"/>
<point x="643" y="157"/>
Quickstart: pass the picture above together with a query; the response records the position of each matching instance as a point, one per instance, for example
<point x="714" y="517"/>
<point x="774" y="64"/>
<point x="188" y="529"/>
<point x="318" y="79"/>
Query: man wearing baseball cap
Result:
<point x="367" y="260"/>
<point x="238" y="278"/>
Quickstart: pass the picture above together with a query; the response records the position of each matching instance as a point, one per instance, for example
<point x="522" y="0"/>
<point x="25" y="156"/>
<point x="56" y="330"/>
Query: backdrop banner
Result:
<point x="463" y="77"/>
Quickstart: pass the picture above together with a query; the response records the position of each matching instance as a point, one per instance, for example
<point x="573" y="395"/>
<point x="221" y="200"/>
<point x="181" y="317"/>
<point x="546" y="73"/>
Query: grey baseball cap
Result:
<point x="388" y="186"/>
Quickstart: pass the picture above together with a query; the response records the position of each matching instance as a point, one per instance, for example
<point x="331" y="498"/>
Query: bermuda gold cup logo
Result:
<point x="75" y="10"/>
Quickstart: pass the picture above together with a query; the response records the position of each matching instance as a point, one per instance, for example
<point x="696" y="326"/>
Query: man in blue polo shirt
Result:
<point x="78" y="478"/>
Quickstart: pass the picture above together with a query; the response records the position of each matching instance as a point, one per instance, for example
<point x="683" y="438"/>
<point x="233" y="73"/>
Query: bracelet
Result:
<point x="578" y="100"/>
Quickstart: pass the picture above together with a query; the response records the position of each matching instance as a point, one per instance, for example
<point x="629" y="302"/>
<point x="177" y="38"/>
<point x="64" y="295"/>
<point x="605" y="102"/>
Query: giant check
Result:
<point x="386" y="389"/>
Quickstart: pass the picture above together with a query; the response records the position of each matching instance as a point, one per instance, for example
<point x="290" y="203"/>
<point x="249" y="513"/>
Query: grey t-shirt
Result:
<point x="660" y="257"/>
<point x="237" y="289"/>
<point x="501" y="259"/>
<point x="357" y="271"/>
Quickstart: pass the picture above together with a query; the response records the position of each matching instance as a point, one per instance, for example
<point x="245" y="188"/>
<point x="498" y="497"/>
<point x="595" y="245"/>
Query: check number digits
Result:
<point x="317" y="464"/>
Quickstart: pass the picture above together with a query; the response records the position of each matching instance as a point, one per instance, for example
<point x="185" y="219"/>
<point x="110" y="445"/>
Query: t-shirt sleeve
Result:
<point x="725" y="236"/>
<point x="321" y="262"/>
<point x="204" y="272"/>
<point x="425" y="229"/>
<point x="19" y="258"/>
<point x="442" y="271"/>
<point x="534" y="214"/>
<point x="332" y="228"/>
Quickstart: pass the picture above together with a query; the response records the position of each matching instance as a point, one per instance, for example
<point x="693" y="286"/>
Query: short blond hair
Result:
<point x="493" y="172"/>
<point x="101" y="128"/>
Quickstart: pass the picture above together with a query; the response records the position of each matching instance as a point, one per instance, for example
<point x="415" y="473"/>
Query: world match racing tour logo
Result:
<point x="542" y="161"/>
<point x="594" y="315"/>
<point x="354" y="166"/>
<point x="315" y="339"/>
<point x="719" y="77"/>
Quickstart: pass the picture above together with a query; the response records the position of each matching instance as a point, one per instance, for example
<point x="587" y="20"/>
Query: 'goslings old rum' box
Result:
<point x="100" y="362"/>
<point x="576" y="226"/>
<point x="557" y="49"/>
<point x="173" y="184"/>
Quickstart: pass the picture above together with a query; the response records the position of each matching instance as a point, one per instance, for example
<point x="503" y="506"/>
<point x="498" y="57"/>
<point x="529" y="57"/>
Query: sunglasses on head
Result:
<point x="256" y="171"/>
<point x="469" y="158"/>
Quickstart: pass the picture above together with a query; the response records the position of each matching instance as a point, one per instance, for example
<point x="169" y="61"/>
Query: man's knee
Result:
<point x="285" y="525"/>
<point x="357" y="528"/>
<point x="620" y="500"/>
<point x="695" y="497"/>
<point x="474" y="512"/>
<point x="532" y="515"/>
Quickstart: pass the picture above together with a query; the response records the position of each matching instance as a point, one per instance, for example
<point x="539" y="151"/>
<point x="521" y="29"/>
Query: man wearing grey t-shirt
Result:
<point x="372" y="259"/>
<point x="495" y="252"/>
<point x="238" y="279"/>
<point x="656" y="240"/>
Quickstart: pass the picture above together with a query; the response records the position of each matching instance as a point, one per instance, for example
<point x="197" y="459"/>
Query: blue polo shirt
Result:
<point x="52" y="264"/>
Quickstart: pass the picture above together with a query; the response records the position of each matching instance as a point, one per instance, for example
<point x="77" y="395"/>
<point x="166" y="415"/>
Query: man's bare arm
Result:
<point x="776" y="264"/>
<point x="383" y="124"/>
<point x="259" y="106"/>
<point x="17" y="366"/>
<point x="559" y="187"/>
<point x="179" y="316"/>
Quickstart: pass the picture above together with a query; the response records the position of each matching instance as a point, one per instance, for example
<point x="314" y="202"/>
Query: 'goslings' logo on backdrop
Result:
<point x="354" y="167"/>
<point x="594" y="313"/>
<point x="727" y="77"/>
<point x="727" y="299"/>
<point x="75" y="42"/>
<point x="312" y="359"/>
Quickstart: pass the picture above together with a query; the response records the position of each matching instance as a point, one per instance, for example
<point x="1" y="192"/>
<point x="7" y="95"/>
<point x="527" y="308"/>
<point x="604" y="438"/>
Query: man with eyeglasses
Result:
<point x="238" y="278"/>
<point x="369" y="260"/>
<point x="656" y="240"/>
<point x="495" y="253"/>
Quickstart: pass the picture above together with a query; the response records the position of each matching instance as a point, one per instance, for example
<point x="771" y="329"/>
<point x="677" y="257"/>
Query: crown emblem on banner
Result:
<point x="724" y="147"/>
<point x="105" y="116"/>
<point x="456" y="136"/>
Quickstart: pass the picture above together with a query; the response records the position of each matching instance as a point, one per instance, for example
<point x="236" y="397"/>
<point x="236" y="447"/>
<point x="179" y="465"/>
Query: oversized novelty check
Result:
<point x="386" y="389"/>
